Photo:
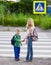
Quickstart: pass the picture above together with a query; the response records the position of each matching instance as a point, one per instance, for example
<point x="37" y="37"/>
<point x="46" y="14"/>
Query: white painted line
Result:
<point x="39" y="51"/>
<point x="38" y="56"/>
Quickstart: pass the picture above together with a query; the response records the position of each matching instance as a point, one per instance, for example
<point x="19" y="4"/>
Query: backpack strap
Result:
<point x="35" y="33"/>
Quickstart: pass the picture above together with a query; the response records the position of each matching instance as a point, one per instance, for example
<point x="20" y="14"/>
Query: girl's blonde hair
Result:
<point x="30" y="23"/>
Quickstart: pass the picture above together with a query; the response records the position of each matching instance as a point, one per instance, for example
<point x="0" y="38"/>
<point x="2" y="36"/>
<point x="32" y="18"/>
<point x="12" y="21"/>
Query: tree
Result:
<point x="31" y="0"/>
<point x="3" y="0"/>
<point x="26" y="0"/>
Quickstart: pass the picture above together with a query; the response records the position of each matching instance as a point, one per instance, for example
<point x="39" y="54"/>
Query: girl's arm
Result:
<point x="25" y="38"/>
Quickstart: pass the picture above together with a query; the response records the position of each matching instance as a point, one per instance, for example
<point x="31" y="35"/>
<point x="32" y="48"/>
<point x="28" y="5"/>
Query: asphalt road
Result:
<point x="36" y="61"/>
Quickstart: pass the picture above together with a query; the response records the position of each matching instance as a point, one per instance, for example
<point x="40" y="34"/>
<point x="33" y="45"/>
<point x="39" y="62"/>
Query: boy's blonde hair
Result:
<point x="30" y="23"/>
<point x="18" y="30"/>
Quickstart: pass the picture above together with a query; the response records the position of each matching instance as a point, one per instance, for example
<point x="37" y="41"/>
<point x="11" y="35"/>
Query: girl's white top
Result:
<point x="32" y="28"/>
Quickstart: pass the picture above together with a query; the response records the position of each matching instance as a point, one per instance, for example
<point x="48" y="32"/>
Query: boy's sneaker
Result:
<point x="17" y="59"/>
<point x="30" y="60"/>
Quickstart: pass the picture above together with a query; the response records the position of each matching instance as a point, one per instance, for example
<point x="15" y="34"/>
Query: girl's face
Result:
<point x="29" y="22"/>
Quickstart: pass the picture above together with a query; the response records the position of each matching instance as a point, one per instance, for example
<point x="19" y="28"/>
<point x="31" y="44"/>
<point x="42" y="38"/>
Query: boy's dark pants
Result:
<point x="17" y="52"/>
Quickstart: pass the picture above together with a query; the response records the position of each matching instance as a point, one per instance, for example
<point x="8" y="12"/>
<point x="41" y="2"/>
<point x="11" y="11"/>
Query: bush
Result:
<point x="8" y="20"/>
<point x="46" y="22"/>
<point x="15" y="20"/>
<point x="46" y="25"/>
<point x="22" y="19"/>
<point x="37" y="20"/>
<point x="19" y="19"/>
<point x="21" y="7"/>
<point x="18" y="7"/>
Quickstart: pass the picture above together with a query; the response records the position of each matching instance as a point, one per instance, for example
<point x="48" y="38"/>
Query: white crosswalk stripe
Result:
<point x="41" y="48"/>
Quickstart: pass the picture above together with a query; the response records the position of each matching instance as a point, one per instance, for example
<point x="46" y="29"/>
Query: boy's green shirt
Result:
<point x="17" y="39"/>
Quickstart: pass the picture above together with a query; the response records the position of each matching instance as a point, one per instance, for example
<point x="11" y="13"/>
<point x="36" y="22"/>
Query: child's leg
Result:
<point x="27" y="58"/>
<point x="28" y="49"/>
<point x="31" y="53"/>
<point x="28" y="52"/>
<point x="16" y="52"/>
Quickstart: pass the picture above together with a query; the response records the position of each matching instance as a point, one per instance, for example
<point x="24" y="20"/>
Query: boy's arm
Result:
<point x="16" y="39"/>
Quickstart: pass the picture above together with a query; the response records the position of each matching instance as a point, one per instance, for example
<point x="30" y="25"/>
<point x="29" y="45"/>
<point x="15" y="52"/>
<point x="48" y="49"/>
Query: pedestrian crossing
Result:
<point x="41" y="48"/>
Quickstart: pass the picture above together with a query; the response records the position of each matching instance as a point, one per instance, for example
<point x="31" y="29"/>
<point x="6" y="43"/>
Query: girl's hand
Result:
<point x="26" y="41"/>
<point x="22" y="40"/>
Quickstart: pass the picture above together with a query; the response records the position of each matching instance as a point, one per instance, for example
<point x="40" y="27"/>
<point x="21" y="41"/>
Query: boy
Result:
<point x="17" y="39"/>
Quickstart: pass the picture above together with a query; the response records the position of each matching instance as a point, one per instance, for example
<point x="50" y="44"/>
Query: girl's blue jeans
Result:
<point x="29" y="49"/>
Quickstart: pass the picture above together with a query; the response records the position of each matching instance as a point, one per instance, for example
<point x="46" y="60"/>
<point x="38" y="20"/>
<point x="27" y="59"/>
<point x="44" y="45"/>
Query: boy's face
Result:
<point x="18" y="32"/>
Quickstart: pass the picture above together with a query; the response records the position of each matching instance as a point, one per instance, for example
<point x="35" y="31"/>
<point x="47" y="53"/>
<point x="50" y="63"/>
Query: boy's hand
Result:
<point x="21" y="44"/>
<point x="22" y="40"/>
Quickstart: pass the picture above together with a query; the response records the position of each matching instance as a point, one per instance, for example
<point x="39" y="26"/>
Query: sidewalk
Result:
<point x="36" y="61"/>
<point x="21" y="28"/>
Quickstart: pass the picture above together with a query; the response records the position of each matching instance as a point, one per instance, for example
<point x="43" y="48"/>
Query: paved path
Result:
<point x="36" y="61"/>
<point x="21" y="28"/>
<point x="42" y="47"/>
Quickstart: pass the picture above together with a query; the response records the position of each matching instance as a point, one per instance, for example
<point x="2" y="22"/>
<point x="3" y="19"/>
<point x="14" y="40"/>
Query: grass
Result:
<point x="44" y="21"/>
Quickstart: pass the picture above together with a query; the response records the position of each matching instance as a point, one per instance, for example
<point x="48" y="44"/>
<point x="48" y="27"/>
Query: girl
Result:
<point x="30" y="27"/>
